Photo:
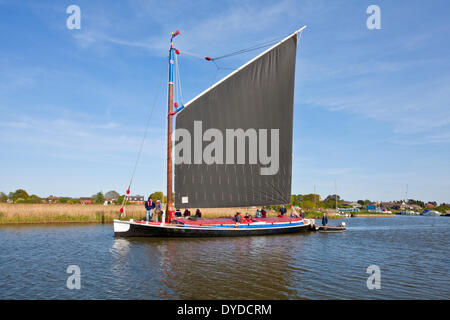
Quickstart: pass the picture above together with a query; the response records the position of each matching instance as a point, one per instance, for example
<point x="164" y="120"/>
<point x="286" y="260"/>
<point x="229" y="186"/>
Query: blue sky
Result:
<point x="372" y="107"/>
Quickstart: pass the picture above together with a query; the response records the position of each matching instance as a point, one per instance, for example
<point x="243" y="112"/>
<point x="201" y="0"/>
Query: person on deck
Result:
<point x="294" y="213"/>
<point x="186" y="213"/>
<point x="324" y="219"/>
<point x="283" y="211"/>
<point x="149" y="206"/>
<point x="177" y="213"/>
<point x="238" y="217"/>
<point x="302" y="214"/>
<point x="158" y="211"/>
<point x="263" y="213"/>
<point x="198" y="213"/>
<point x="258" y="214"/>
<point x="171" y="215"/>
<point x="248" y="216"/>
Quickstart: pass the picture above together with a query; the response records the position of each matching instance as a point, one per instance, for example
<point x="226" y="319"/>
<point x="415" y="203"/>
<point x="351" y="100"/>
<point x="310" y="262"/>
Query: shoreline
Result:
<point x="373" y="215"/>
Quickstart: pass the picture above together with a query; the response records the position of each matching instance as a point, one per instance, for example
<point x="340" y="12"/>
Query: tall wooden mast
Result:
<point x="169" y="124"/>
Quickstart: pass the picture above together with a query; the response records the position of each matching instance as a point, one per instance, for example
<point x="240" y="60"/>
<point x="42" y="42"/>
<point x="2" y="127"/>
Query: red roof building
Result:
<point x="86" y="201"/>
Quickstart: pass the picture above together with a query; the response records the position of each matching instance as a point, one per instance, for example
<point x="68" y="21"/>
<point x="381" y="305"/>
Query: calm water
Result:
<point x="412" y="253"/>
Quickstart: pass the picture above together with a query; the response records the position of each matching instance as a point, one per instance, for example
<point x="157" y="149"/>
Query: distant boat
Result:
<point x="410" y="213"/>
<point x="257" y="97"/>
<point x="431" y="213"/>
<point x="339" y="228"/>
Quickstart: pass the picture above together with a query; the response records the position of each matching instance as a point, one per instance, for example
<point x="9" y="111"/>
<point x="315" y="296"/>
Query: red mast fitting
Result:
<point x="176" y="33"/>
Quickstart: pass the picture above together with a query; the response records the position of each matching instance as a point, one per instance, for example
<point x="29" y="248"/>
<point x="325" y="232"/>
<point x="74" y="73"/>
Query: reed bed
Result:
<point x="55" y="213"/>
<point x="93" y="213"/>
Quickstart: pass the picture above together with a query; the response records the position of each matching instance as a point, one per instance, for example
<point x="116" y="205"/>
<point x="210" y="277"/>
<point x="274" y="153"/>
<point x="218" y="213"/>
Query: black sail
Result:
<point x="229" y="167"/>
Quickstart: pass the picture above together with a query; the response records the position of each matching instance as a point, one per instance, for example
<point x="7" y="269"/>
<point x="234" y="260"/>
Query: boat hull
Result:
<point x="329" y="229"/>
<point x="134" y="229"/>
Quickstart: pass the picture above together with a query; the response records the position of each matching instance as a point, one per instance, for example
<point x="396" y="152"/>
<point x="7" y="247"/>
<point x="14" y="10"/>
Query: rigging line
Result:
<point x="255" y="47"/>
<point x="192" y="54"/>
<point x="175" y="81"/>
<point x="179" y="79"/>
<point x="146" y="131"/>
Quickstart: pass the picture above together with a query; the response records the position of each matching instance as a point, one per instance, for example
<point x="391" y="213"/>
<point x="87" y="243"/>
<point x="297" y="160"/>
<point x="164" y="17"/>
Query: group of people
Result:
<point x="294" y="212"/>
<point x="261" y="213"/>
<point x="153" y="208"/>
<point x="238" y="217"/>
<point x="187" y="213"/>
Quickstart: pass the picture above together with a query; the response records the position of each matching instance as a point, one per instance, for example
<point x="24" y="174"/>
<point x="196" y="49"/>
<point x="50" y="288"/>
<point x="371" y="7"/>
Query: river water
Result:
<point x="412" y="254"/>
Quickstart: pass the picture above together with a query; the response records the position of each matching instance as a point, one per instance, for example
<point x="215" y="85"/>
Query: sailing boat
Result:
<point x="233" y="149"/>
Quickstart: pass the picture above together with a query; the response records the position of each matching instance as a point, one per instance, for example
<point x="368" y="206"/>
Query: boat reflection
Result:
<point x="213" y="268"/>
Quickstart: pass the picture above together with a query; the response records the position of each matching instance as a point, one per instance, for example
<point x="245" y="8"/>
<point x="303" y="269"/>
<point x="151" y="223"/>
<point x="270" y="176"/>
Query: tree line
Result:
<point x="306" y="201"/>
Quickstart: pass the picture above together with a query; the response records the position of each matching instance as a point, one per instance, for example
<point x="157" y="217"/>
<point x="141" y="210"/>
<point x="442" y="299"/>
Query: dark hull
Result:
<point x="137" y="230"/>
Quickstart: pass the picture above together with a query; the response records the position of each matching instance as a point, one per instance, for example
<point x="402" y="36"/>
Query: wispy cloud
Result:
<point x="215" y="31"/>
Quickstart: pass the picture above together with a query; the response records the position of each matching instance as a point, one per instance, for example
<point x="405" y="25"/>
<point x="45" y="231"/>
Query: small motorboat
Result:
<point x="432" y="213"/>
<point x="410" y="213"/>
<point x="339" y="228"/>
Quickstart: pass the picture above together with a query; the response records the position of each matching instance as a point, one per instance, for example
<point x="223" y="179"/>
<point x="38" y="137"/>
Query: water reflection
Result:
<point x="196" y="268"/>
<point x="411" y="252"/>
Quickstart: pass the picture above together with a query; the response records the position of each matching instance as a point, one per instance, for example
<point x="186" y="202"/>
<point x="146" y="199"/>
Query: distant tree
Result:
<point x="99" y="198"/>
<point x="3" y="197"/>
<point x="332" y="197"/>
<point x="296" y="199"/>
<point x="63" y="200"/>
<point x="361" y="202"/>
<point x="19" y="194"/>
<point x="311" y="197"/>
<point x="158" y="195"/>
<point x="293" y="199"/>
<point x="120" y="199"/>
<point x="307" y="204"/>
<point x="35" y="199"/>
<point x="74" y="201"/>
<point x="164" y="199"/>
<point x="113" y="194"/>
<point x="416" y="202"/>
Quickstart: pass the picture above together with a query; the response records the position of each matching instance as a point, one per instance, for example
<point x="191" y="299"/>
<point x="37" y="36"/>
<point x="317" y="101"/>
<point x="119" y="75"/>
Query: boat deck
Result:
<point x="230" y="221"/>
<point x="226" y="221"/>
